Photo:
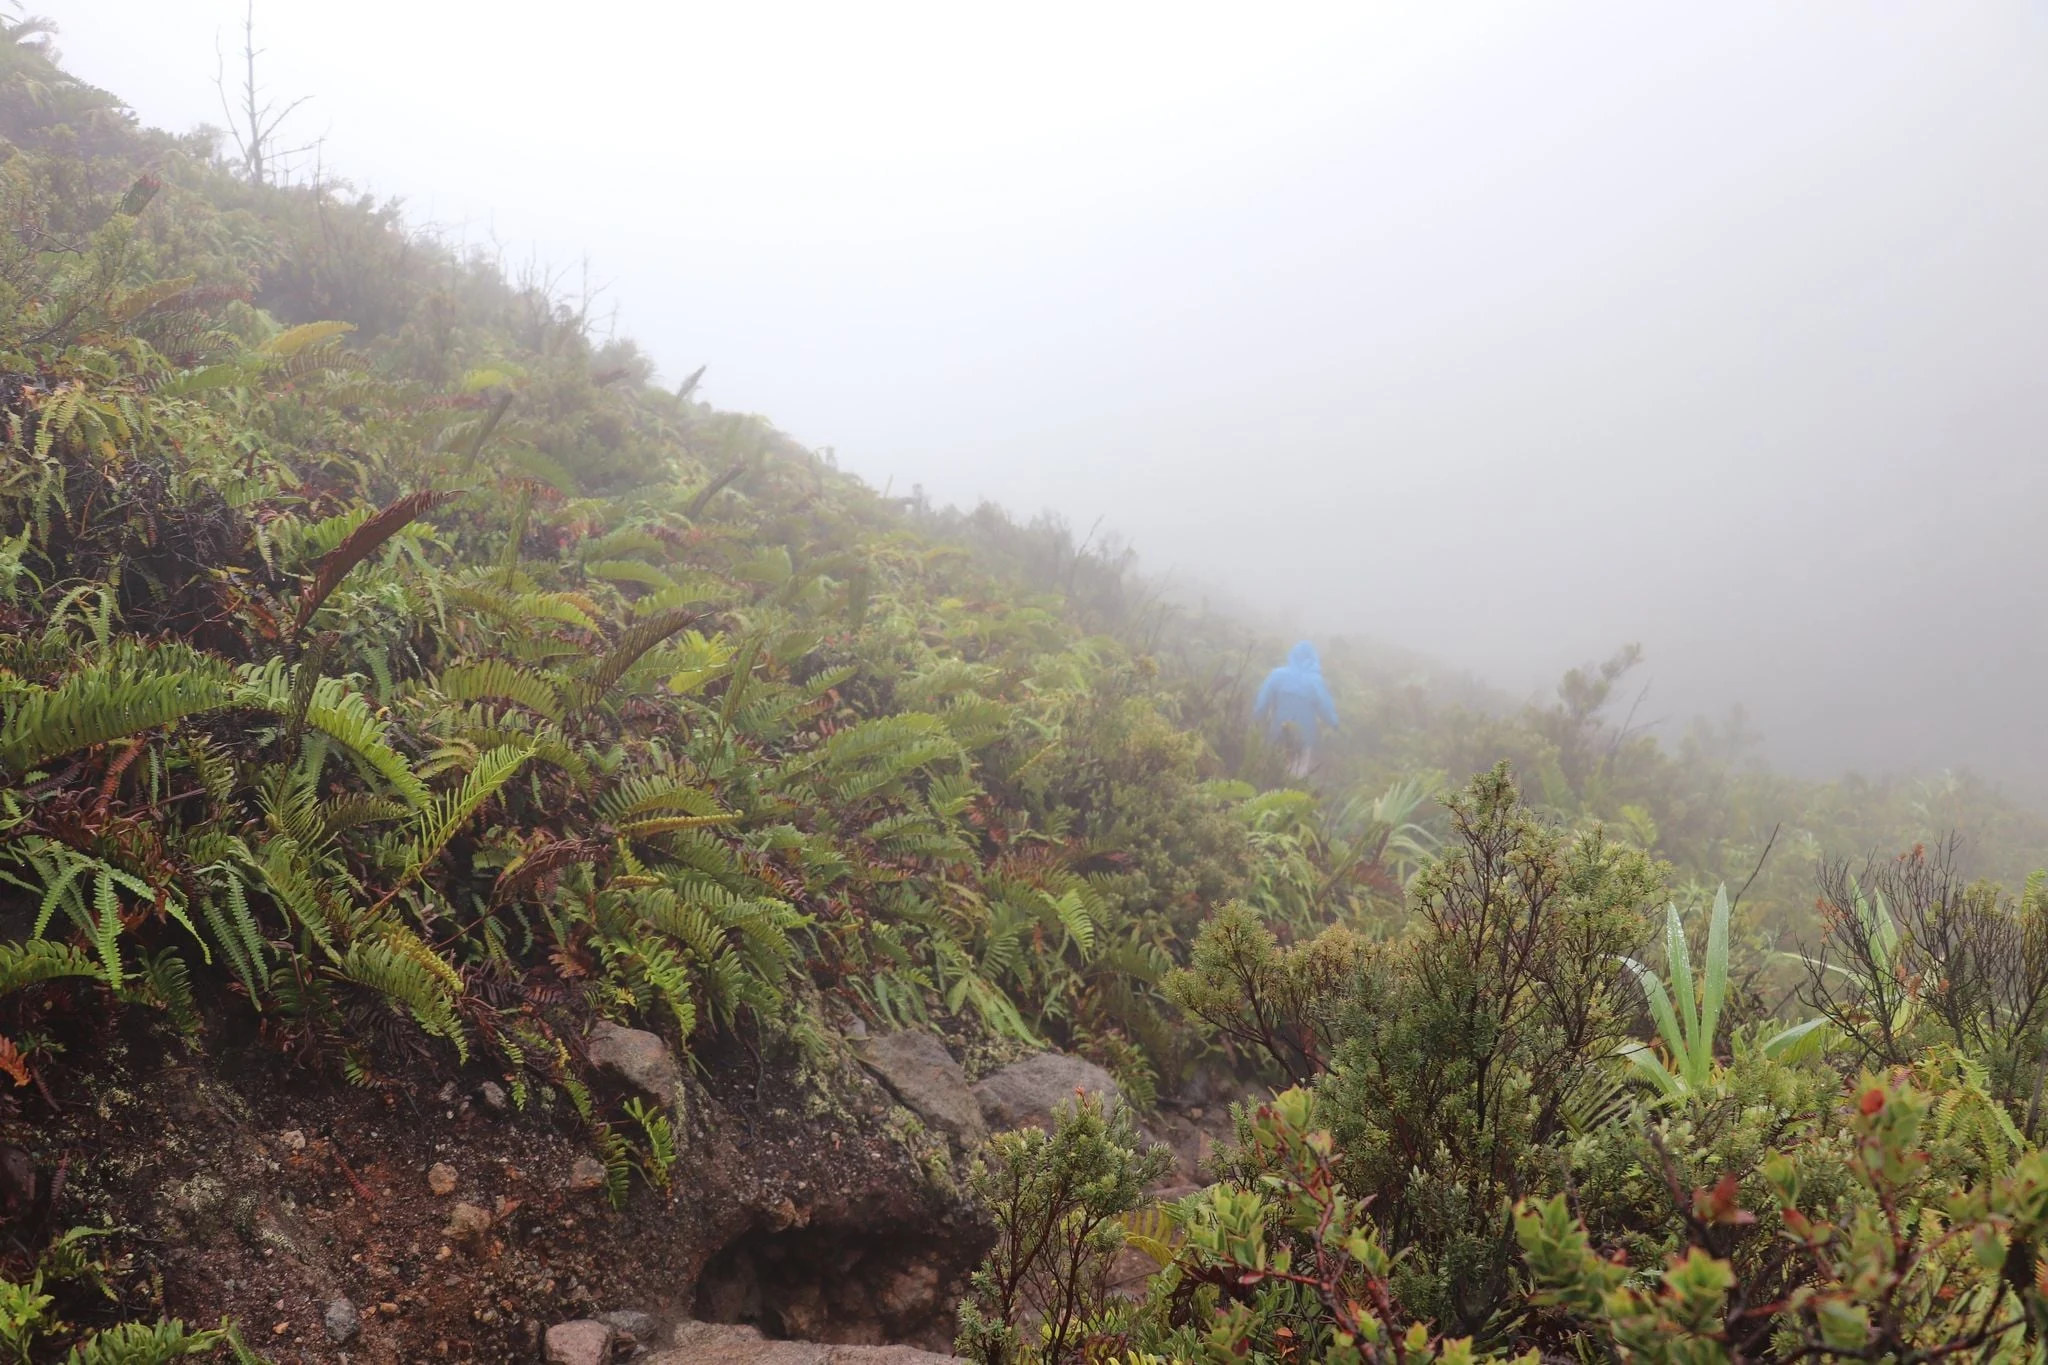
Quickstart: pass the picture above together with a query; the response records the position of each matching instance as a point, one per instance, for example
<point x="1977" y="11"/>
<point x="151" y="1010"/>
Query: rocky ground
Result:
<point x="437" y="1221"/>
<point x="704" y="1343"/>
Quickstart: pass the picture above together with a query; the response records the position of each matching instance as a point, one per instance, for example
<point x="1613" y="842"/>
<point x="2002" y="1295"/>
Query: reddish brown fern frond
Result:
<point x="12" y="1062"/>
<point x="360" y="544"/>
<point x="543" y="860"/>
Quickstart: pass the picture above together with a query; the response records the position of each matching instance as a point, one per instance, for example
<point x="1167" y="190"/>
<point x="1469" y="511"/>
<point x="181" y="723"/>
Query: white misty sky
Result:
<point x="1506" y="332"/>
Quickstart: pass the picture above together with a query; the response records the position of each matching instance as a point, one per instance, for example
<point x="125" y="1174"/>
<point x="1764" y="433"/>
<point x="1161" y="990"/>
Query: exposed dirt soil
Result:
<point x="240" y="1185"/>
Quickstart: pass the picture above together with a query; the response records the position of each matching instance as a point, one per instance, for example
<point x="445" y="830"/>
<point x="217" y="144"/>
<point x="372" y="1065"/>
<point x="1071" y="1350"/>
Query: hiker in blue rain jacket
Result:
<point x="1295" y="694"/>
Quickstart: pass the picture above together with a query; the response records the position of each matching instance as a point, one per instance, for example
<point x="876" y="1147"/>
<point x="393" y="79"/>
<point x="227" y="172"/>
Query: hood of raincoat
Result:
<point x="1303" y="658"/>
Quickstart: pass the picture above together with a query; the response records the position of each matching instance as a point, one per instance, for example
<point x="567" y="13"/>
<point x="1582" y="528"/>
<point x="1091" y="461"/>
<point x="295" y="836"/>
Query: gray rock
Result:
<point x="1022" y="1094"/>
<point x="582" y="1342"/>
<point x="586" y="1173"/>
<point x="199" y="1206"/>
<point x="710" y="1343"/>
<point x="642" y="1058"/>
<point x="917" y="1068"/>
<point x="494" y="1097"/>
<point x="640" y="1326"/>
<point x="342" y="1322"/>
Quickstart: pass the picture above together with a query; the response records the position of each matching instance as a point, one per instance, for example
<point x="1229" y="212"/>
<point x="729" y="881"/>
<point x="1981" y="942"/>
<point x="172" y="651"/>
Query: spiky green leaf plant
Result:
<point x="1687" y="1031"/>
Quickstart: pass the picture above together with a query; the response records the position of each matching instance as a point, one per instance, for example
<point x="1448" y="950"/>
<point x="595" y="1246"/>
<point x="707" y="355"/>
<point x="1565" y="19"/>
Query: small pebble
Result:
<point x="466" y="1222"/>
<point x="441" y="1178"/>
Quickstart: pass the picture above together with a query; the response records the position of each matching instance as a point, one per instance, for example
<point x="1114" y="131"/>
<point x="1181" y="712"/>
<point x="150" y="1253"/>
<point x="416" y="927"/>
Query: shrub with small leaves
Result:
<point x="1914" y="1265"/>
<point x="1285" y="1265"/>
<point x="1058" y="1199"/>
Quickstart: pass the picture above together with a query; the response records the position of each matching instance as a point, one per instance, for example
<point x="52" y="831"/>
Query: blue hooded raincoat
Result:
<point x="1295" y="694"/>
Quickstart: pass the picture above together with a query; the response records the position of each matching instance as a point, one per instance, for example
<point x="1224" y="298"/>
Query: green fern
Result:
<point x="519" y="612"/>
<point x="659" y="1168"/>
<point x="339" y="712"/>
<point x="62" y="875"/>
<point x="1076" y="914"/>
<point x="162" y="981"/>
<point x="445" y="816"/>
<point x="157" y="1343"/>
<point x="865" y="758"/>
<point x="498" y="678"/>
<point x="635" y="641"/>
<point x="381" y="966"/>
<point x="131" y="689"/>
<point x="235" y="931"/>
<point x="34" y="961"/>
<point x="617" y="1155"/>
<point x="1152" y="1231"/>
<point x="632" y="571"/>
<point x="657" y="974"/>
<point x="645" y="796"/>
<point x="323" y="908"/>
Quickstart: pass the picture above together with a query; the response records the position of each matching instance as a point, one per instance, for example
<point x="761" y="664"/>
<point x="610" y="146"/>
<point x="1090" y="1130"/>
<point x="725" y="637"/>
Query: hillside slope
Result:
<point x="400" y="694"/>
<point x="396" y="685"/>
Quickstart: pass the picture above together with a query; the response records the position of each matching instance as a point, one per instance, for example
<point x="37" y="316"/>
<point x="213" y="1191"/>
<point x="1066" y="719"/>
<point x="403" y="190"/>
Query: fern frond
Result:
<point x="632" y="571"/>
<point x="146" y="1343"/>
<point x="669" y="824"/>
<point x="1077" y="917"/>
<point x="131" y="689"/>
<point x="106" y="928"/>
<point x="380" y="965"/>
<point x="1152" y="1231"/>
<point x="404" y="941"/>
<point x="340" y="713"/>
<point x="627" y="540"/>
<point x="359" y="545"/>
<point x="36" y="960"/>
<point x="163" y="982"/>
<point x="502" y="679"/>
<point x="700" y="661"/>
<point x="236" y="934"/>
<point x="134" y="303"/>
<point x="322" y="911"/>
<point x="445" y="815"/>
<point x="640" y="797"/>
<point x="626" y="651"/>
<point x="295" y="339"/>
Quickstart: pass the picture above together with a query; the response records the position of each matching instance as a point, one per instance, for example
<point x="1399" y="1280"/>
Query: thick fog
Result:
<point x="1505" y="333"/>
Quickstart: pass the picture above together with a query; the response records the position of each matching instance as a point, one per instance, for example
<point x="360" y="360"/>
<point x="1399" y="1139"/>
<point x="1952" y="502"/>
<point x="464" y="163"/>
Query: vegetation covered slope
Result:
<point x="388" y="666"/>
<point x="440" y="669"/>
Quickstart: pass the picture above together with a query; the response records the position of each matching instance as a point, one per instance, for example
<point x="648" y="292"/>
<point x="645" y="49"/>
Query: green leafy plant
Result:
<point x="1287" y="1264"/>
<point x="1059" y="1201"/>
<point x="1912" y="1268"/>
<point x="1689" y="1029"/>
<point x="659" y="1155"/>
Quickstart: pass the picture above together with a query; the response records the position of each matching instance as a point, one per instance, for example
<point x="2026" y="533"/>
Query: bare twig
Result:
<point x="1769" y="844"/>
